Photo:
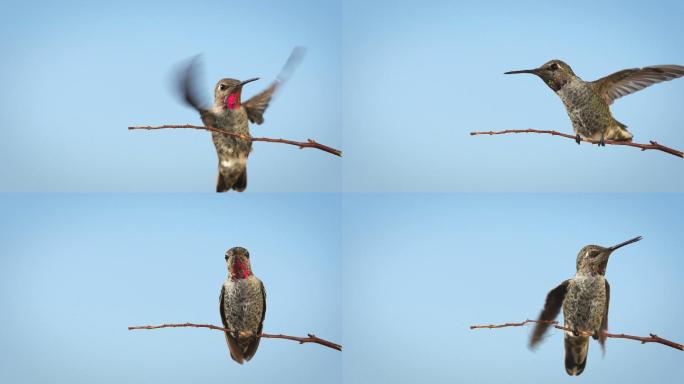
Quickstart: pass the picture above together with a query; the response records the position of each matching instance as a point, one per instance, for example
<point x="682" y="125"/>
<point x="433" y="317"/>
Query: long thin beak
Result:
<point x="532" y="71"/>
<point x="248" y="81"/>
<point x="630" y="241"/>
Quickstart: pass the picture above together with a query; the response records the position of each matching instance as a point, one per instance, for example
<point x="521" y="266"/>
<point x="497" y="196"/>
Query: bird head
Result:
<point x="227" y="93"/>
<point x="237" y="260"/>
<point x="593" y="259"/>
<point x="555" y="74"/>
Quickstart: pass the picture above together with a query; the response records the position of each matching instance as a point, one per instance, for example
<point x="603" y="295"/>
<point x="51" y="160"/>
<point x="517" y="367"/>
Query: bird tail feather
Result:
<point x="576" y="351"/>
<point x="234" y="348"/>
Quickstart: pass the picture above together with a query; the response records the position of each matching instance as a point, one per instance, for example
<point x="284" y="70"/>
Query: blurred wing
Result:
<point x="554" y="302"/>
<point x="233" y="346"/>
<point x="187" y="84"/>
<point x="604" y="323"/>
<point x="252" y="348"/>
<point x="628" y="81"/>
<point x="256" y="106"/>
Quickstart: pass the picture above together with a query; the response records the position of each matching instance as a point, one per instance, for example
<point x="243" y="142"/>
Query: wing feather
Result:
<point x="187" y="84"/>
<point x="604" y="323"/>
<point x="256" y="106"/>
<point x="628" y="81"/>
<point x="233" y="347"/>
<point x="554" y="302"/>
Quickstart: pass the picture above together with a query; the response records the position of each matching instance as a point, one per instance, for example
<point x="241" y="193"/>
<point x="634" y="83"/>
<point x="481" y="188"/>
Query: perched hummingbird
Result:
<point x="242" y="306"/>
<point x="585" y="300"/>
<point x="230" y="114"/>
<point x="588" y="103"/>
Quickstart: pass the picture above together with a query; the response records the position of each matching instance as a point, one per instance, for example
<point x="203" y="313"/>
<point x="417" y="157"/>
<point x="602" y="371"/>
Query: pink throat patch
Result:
<point x="233" y="100"/>
<point x="241" y="271"/>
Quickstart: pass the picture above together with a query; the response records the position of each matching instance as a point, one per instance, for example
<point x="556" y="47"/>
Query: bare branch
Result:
<point x="310" y="339"/>
<point x="653" y="145"/>
<point x="653" y="338"/>
<point x="309" y="143"/>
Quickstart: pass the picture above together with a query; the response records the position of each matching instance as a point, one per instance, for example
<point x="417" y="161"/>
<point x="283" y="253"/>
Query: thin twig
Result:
<point x="310" y="339"/>
<point x="653" y="338"/>
<point x="309" y="143"/>
<point x="653" y="145"/>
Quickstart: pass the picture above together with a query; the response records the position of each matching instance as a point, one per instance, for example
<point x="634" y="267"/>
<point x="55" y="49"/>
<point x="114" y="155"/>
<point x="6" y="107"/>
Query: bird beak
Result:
<point x="532" y="71"/>
<point x="630" y="241"/>
<point x="248" y="81"/>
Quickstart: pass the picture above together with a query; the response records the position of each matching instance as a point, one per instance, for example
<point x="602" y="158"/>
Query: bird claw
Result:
<point x="602" y="141"/>
<point x="578" y="139"/>
<point x="575" y="331"/>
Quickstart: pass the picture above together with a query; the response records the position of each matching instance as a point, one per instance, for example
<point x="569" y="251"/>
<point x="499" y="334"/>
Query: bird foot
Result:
<point x="575" y="331"/>
<point x="578" y="139"/>
<point x="602" y="141"/>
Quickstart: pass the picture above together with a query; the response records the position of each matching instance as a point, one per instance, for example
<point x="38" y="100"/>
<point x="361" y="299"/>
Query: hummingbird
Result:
<point x="588" y="102"/>
<point x="230" y="114"/>
<point x="242" y="306"/>
<point x="585" y="300"/>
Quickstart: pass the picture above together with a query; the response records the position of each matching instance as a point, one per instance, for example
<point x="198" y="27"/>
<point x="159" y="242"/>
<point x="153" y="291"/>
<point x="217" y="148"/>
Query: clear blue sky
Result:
<point x="76" y="270"/>
<point x="419" y="269"/>
<point x="419" y="76"/>
<point x="76" y="74"/>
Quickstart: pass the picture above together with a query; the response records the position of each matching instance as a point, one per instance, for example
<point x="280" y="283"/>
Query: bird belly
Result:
<point x="584" y="305"/>
<point x="232" y="155"/>
<point x="243" y="305"/>
<point x="589" y="114"/>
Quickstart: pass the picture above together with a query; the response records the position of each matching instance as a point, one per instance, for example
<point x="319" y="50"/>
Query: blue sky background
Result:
<point x="418" y="77"/>
<point x="76" y="270"/>
<point x="419" y="269"/>
<point x="76" y="74"/>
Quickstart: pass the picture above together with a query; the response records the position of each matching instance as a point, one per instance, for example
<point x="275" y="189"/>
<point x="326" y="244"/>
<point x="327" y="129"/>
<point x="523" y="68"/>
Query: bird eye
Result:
<point x="222" y="86"/>
<point x="554" y="66"/>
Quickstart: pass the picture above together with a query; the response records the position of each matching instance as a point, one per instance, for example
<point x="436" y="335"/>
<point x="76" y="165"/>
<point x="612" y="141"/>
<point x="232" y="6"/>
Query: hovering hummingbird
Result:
<point x="588" y="103"/>
<point x="585" y="300"/>
<point x="242" y="306"/>
<point x="230" y="114"/>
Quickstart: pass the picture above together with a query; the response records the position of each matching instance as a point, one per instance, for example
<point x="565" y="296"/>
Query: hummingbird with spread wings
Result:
<point x="584" y="299"/>
<point x="230" y="114"/>
<point x="588" y="102"/>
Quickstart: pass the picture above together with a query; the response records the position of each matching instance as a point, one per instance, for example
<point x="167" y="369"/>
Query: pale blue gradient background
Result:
<point x="419" y="269"/>
<point x="419" y="76"/>
<point x="75" y="74"/>
<point x="76" y="270"/>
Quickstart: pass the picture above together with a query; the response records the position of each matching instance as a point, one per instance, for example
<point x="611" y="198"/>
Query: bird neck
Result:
<point x="232" y="101"/>
<point x="240" y="270"/>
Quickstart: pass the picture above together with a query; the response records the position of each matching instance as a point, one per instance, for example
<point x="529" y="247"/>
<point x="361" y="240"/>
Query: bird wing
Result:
<point x="187" y="84"/>
<point x="604" y="322"/>
<point x="233" y="347"/>
<point x="187" y="88"/>
<point x="628" y="81"/>
<point x="252" y="348"/>
<point x="554" y="302"/>
<point x="256" y="106"/>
